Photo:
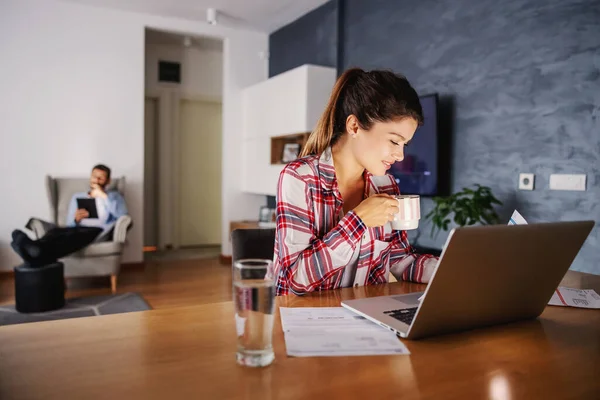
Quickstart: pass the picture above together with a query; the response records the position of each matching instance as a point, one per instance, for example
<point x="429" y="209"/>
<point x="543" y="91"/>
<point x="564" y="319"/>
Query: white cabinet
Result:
<point x="258" y="175"/>
<point x="254" y="120"/>
<point x="289" y="103"/>
<point x="249" y="157"/>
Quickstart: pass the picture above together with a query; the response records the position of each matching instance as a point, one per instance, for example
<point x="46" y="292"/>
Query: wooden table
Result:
<point x="189" y="353"/>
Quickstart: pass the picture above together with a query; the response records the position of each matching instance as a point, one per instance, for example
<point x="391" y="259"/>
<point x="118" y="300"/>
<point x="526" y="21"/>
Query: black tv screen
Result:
<point x="421" y="171"/>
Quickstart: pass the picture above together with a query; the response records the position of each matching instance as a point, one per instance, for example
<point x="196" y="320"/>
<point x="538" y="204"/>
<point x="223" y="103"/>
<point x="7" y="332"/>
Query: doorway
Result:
<point x="199" y="205"/>
<point x="182" y="163"/>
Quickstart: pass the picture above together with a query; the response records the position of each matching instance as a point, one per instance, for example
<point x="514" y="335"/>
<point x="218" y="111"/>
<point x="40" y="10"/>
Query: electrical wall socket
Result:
<point x="526" y="181"/>
<point x="567" y="182"/>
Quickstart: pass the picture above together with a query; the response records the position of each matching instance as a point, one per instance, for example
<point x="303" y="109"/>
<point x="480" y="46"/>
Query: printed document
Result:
<point x="568" y="297"/>
<point x="335" y="331"/>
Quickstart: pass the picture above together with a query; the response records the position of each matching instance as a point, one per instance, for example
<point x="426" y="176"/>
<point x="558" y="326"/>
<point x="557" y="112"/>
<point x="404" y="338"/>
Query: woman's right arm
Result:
<point x="303" y="261"/>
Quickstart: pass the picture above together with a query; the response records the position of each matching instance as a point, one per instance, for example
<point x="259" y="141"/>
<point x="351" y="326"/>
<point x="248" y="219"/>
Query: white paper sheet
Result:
<point x="318" y="318"/>
<point x="517" y="219"/>
<point x="335" y="331"/>
<point x="569" y="297"/>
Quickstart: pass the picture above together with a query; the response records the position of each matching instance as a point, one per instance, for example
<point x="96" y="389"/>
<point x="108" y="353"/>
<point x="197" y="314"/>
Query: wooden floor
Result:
<point x="189" y="282"/>
<point x="163" y="284"/>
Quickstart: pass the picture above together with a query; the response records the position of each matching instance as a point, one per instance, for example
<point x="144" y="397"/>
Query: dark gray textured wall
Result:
<point x="311" y="39"/>
<point x="523" y="77"/>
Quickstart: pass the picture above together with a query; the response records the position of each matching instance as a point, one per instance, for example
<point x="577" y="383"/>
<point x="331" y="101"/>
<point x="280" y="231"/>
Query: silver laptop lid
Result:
<point x="490" y="275"/>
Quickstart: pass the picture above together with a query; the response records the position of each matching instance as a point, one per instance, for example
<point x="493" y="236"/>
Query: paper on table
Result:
<point x="335" y="331"/>
<point x="342" y="343"/>
<point x="517" y="219"/>
<point x="321" y="318"/>
<point x="568" y="297"/>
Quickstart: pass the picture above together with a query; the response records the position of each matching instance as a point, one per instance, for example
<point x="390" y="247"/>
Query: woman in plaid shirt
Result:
<point x="334" y="203"/>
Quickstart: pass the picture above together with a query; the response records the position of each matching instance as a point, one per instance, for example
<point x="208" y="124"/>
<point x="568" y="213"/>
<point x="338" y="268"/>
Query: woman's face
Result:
<point x="378" y="148"/>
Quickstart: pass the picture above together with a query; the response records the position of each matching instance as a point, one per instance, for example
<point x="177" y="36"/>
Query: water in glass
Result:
<point x="254" y="297"/>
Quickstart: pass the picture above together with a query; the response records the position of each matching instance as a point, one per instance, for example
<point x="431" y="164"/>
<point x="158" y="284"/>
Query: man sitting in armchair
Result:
<point x="110" y="205"/>
<point x="93" y="243"/>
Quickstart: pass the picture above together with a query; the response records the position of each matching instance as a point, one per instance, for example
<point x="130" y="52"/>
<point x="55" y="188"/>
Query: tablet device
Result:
<point x="88" y="204"/>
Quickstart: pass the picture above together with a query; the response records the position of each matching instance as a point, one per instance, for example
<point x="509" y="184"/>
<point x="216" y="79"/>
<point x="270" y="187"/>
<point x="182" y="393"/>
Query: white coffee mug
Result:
<point x="409" y="214"/>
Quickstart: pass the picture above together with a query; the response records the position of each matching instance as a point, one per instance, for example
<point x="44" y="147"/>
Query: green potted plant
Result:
<point x="467" y="207"/>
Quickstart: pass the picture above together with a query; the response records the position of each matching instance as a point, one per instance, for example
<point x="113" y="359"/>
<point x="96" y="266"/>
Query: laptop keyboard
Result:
<point x="405" y="315"/>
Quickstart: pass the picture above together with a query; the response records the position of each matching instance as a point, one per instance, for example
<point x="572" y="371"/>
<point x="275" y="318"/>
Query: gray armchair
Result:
<point x="99" y="258"/>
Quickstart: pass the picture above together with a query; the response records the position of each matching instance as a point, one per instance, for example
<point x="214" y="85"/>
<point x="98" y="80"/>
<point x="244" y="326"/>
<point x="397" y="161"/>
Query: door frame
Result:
<point x="156" y="211"/>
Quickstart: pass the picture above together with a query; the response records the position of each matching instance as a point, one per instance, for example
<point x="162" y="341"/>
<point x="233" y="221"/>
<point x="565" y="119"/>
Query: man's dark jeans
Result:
<point x="58" y="242"/>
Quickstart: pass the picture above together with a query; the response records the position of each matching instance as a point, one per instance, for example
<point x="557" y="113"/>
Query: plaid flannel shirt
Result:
<point x="314" y="242"/>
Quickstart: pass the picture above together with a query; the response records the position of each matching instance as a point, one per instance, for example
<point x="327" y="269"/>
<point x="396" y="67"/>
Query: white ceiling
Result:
<point x="262" y="15"/>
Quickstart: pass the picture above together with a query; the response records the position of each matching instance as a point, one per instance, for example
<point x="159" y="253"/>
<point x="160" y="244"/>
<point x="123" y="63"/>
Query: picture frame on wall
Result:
<point x="290" y="152"/>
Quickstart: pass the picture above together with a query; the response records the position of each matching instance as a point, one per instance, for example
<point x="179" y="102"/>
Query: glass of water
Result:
<point x="254" y="297"/>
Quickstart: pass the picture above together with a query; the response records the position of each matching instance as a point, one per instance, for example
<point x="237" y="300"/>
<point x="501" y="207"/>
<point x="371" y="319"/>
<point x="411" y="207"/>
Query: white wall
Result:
<point x="73" y="95"/>
<point x="201" y="71"/>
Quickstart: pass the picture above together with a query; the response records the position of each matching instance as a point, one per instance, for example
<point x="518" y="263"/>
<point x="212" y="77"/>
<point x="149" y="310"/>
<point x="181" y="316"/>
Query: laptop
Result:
<point x="487" y="275"/>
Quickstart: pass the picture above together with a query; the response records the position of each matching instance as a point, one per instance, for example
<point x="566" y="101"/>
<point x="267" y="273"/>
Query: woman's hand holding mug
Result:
<point x="377" y="210"/>
<point x="404" y="212"/>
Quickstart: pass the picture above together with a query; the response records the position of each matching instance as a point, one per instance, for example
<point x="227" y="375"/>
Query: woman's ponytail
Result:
<point x="323" y="135"/>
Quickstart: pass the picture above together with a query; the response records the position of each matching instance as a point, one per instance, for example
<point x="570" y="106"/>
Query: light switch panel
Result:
<point x="567" y="182"/>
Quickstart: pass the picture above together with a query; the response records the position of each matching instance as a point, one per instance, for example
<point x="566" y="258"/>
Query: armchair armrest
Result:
<point x="39" y="227"/>
<point x="121" y="227"/>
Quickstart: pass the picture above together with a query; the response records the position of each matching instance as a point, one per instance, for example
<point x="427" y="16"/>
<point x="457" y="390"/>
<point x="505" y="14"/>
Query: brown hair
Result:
<point x="372" y="96"/>
<point x="104" y="168"/>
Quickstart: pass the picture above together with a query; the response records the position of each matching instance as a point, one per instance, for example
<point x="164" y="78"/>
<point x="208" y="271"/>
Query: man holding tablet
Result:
<point x="98" y="207"/>
<point x="91" y="216"/>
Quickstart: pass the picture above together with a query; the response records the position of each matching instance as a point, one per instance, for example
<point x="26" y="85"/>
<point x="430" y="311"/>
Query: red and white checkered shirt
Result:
<point x="315" y="241"/>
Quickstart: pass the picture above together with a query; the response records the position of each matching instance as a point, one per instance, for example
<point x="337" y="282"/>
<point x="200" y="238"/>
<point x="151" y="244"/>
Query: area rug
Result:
<point x="78" y="307"/>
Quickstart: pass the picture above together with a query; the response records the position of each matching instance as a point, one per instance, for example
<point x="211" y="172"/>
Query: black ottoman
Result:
<point x="39" y="289"/>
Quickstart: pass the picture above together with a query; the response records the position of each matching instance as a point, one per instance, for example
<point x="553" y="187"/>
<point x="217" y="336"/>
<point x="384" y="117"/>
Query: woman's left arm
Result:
<point x="407" y="265"/>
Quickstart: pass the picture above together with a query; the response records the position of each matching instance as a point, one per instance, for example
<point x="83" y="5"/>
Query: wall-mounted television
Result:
<point x="425" y="169"/>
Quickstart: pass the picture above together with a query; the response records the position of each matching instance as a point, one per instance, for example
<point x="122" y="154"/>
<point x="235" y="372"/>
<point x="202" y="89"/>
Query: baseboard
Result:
<point x="225" y="260"/>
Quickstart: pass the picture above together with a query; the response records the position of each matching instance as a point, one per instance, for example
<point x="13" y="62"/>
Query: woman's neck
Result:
<point x="348" y="171"/>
